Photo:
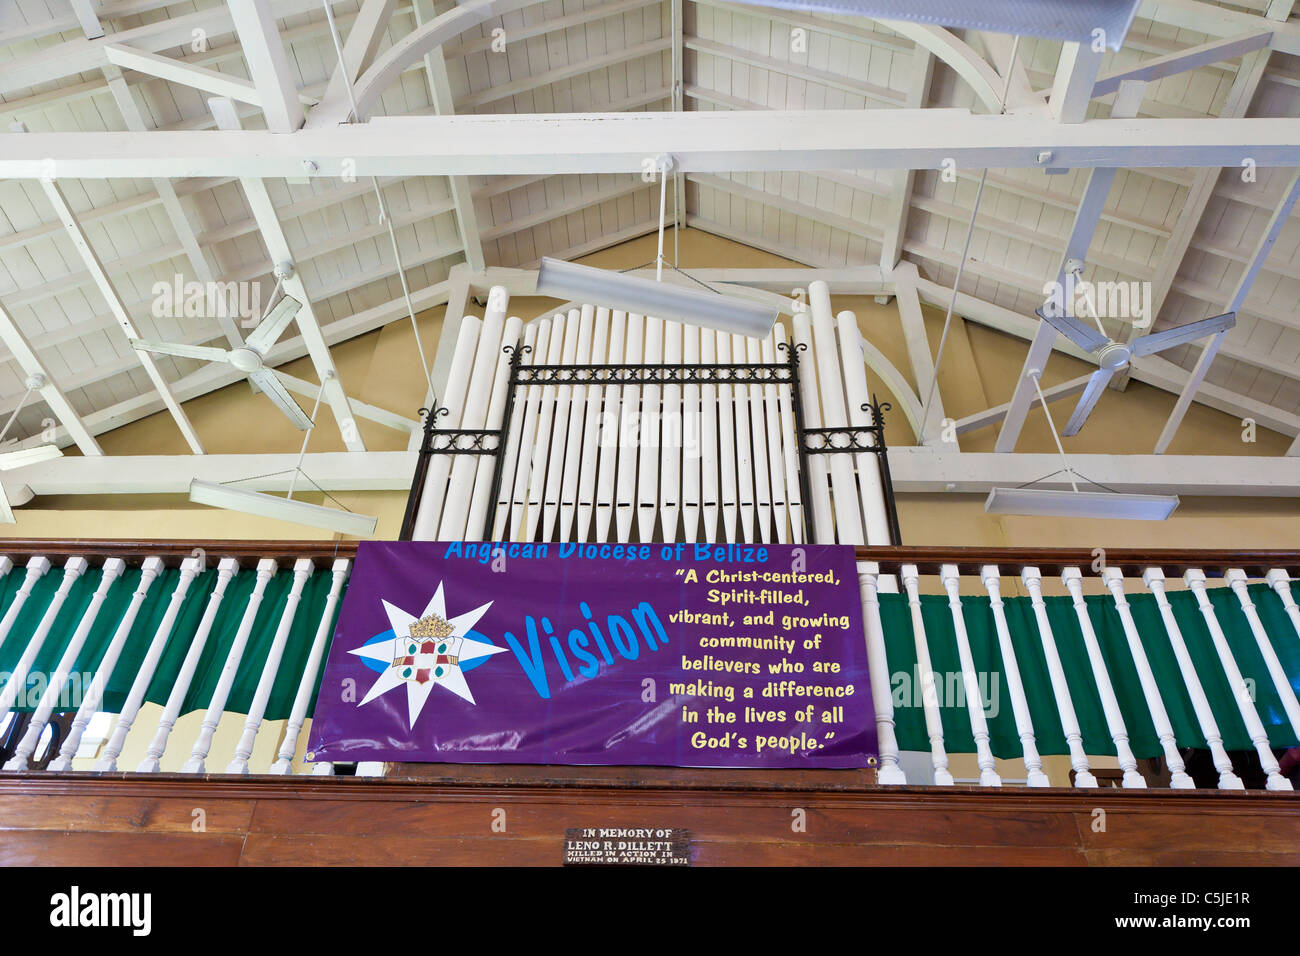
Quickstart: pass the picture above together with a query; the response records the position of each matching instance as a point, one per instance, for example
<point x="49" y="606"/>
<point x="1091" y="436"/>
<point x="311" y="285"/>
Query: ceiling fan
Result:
<point x="249" y="358"/>
<point x="1113" y="356"/>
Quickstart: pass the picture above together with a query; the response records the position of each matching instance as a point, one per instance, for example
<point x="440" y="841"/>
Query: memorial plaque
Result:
<point x="626" y="846"/>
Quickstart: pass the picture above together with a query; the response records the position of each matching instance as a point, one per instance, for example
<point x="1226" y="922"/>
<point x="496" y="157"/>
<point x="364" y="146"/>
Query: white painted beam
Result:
<point x="916" y="470"/>
<point x="715" y="141"/>
<point x="26" y="357"/>
<point x="900" y="199"/>
<point x="991" y="416"/>
<point x="918" y="348"/>
<point x="196" y="77"/>
<point x="1191" y="58"/>
<point x="363" y="40"/>
<point x="1076" y="75"/>
<point x="268" y="64"/>
<point x="277" y="247"/>
<point x="84" y="10"/>
<point x="1220" y="21"/>
<point x="73" y="228"/>
<point x="1244" y="282"/>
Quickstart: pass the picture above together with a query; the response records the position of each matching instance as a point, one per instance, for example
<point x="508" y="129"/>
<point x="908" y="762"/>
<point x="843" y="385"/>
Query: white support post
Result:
<point x="227" y="568"/>
<point x="974" y="699"/>
<point x="1083" y="777"/>
<point x="1154" y="578"/>
<point x="1072" y="578"/>
<point x="59" y="680"/>
<point x="992" y="577"/>
<point x="1194" y="578"/>
<point x="73" y="569"/>
<point x="929" y="694"/>
<point x="298" y="715"/>
<point x="266" y="569"/>
<point x="1236" y="579"/>
<point x="302" y="570"/>
<point x="888" y="771"/>
<point x="93" y="697"/>
<point x="190" y="569"/>
<point x="1179" y="779"/>
<point x="1076" y="74"/>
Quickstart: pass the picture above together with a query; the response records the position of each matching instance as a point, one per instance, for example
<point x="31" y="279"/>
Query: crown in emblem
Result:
<point x="431" y="626"/>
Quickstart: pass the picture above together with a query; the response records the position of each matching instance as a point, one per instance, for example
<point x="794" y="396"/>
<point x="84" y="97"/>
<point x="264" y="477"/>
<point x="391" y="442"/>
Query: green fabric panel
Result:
<point x="152" y="611"/>
<point x="1086" y="699"/>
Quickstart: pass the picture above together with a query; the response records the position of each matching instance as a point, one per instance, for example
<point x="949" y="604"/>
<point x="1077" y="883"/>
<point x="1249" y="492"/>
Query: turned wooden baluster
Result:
<point x="17" y="683"/>
<point x="112" y="570"/>
<point x="1155" y="582"/>
<point x="298" y="715"/>
<point x="992" y="578"/>
<point x="36" y="568"/>
<point x="1280" y="582"/>
<point x="1195" y="580"/>
<point x="302" y="570"/>
<point x="266" y="569"/>
<point x="1083" y="778"/>
<point x="889" y="771"/>
<point x="93" y="696"/>
<point x="1178" y="777"/>
<point x="979" y="724"/>
<point x="1072" y="578"/>
<point x="190" y="569"/>
<point x="226" y="569"/>
<point x="1236" y="579"/>
<point x="929" y="696"/>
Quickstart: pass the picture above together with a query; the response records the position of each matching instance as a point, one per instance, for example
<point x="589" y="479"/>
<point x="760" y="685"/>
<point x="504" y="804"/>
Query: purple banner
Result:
<point x="643" y="654"/>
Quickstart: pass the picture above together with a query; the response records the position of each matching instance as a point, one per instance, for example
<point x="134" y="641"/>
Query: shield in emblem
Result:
<point x="428" y="653"/>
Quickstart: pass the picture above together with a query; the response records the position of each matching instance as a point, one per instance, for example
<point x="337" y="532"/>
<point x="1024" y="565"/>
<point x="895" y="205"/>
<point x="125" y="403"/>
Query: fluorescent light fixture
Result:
<point x="1079" y="504"/>
<point x="283" y="509"/>
<point x="1073" y="20"/>
<point x="28" y="456"/>
<point x="566" y="280"/>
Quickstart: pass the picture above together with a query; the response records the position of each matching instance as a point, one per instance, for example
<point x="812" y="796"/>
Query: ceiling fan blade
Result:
<point x="1080" y="333"/>
<point x="1088" y="400"/>
<point x="1182" y="334"/>
<point x="271" y="327"/>
<point x="266" y="380"/>
<point x="201" y="352"/>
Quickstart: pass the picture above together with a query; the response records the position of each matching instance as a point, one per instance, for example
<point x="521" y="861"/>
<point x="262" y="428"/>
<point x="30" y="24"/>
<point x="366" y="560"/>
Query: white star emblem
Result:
<point x="450" y="676"/>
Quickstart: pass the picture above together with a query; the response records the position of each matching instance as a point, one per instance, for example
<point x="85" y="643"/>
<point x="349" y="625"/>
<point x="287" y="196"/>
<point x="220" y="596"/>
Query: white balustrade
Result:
<point x="1179" y="780"/>
<point x="302" y="570"/>
<point x="298" y="714"/>
<point x="970" y="681"/>
<point x="1194" y="578"/>
<point x="93" y="696"/>
<point x="62" y="675"/>
<point x="190" y="569"/>
<point x="1072" y="578"/>
<point x="1154" y="578"/>
<point x="925" y="672"/>
<point x="227" y="568"/>
<point x="889" y="771"/>
<point x="1032" y="578"/>
<point x="1236" y="579"/>
<point x="1280" y="582"/>
<point x="266" y="569"/>
<point x="36" y="568"/>
<point x="73" y="569"/>
<point x="992" y="578"/>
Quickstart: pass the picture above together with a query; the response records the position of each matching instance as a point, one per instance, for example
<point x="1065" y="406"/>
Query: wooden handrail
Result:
<point x="928" y="558"/>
